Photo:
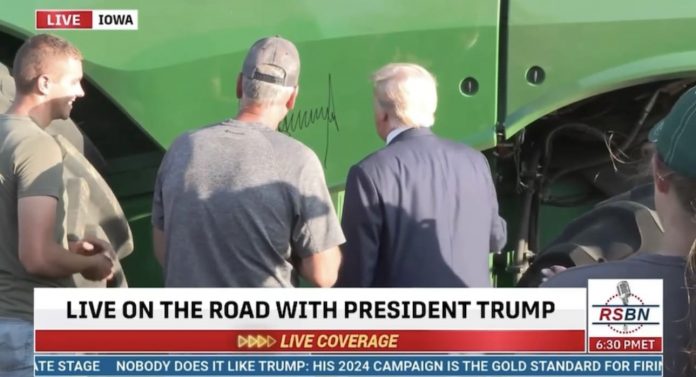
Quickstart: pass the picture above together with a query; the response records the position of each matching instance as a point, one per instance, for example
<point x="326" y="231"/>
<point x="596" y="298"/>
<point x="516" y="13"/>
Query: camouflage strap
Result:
<point x="93" y="210"/>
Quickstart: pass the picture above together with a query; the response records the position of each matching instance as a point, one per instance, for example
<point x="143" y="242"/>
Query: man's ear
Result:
<point x="239" y="86"/>
<point x="661" y="182"/>
<point x="42" y="84"/>
<point x="293" y="97"/>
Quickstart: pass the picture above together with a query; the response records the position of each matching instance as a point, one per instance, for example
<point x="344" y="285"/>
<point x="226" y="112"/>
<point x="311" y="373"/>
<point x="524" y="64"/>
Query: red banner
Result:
<point x="310" y="340"/>
<point x="63" y="19"/>
<point x="625" y="344"/>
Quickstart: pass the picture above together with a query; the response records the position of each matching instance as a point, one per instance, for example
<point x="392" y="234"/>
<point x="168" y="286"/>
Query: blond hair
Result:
<point x="685" y="191"/>
<point x="35" y="55"/>
<point x="408" y="92"/>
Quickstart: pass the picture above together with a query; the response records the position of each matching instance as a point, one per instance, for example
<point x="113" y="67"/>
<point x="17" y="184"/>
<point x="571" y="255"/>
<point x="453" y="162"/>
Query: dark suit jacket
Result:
<point x="421" y="212"/>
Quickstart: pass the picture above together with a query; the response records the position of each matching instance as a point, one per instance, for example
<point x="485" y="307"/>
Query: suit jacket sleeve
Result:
<point x="157" y="217"/>
<point x="498" y="237"/>
<point x="362" y="223"/>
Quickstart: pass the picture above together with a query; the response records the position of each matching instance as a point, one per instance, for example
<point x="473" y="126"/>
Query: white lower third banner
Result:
<point x="612" y="328"/>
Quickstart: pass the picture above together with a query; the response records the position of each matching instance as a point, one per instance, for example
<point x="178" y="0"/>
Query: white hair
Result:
<point x="408" y="92"/>
<point x="264" y="93"/>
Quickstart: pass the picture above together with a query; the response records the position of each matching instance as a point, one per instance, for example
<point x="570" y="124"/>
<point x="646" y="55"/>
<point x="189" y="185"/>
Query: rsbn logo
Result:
<point x="625" y="312"/>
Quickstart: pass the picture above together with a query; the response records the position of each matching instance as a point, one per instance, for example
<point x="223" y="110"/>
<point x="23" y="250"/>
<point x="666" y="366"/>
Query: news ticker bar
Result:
<point x="376" y="365"/>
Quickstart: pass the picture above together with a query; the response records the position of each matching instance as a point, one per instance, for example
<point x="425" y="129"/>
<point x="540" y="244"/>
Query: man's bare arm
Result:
<point x="41" y="255"/>
<point x="321" y="268"/>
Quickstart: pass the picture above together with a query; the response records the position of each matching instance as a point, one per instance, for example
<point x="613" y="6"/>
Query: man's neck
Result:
<point x="394" y="132"/>
<point x="36" y="111"/>
<point x="678" y="238"/>
<point x="258" y="114"/>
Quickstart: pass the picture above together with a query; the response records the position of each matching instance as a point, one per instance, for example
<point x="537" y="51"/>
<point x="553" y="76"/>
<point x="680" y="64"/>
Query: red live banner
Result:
<point x="63" y="19"/>
<point x="310" y="340"/>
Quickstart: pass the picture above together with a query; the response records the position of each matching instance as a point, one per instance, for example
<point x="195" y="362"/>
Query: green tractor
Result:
<point x="560" y="95"/>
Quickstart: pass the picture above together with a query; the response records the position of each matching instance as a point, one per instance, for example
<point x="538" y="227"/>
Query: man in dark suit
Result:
<point x="422" y="211"/>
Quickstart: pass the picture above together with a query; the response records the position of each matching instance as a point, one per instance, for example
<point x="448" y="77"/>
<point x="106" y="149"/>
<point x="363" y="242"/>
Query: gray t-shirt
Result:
<point x="647" y="266"/>
<point x="240" y="204"/>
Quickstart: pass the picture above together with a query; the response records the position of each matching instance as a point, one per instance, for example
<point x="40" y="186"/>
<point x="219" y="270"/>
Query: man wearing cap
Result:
<point x="238" y="204"/>
<point x="674" y="175"/>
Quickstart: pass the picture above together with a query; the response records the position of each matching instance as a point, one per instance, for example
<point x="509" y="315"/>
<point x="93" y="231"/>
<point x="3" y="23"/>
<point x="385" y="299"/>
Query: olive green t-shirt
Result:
<point x="30" y="165"/>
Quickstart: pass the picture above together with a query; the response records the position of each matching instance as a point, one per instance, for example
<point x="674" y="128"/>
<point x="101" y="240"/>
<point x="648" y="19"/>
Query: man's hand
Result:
<point x="102" y="266"/>
<point x="551" y="272"/>
<point x="89" y="246"/>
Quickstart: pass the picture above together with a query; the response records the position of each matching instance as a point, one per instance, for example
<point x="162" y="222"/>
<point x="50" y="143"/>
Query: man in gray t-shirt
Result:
<point x="238" y="204"/>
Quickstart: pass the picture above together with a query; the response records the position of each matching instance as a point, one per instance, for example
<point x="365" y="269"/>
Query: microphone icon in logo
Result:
<point x="624" y="291"/>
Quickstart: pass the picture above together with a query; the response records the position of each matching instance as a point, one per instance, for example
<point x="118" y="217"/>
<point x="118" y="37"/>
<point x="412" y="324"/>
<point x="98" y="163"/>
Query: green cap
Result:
<point x="675" y="136"/>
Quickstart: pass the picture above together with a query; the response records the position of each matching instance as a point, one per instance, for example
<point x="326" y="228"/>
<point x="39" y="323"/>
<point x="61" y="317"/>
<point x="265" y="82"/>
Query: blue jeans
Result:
<point x="16" y="348"/>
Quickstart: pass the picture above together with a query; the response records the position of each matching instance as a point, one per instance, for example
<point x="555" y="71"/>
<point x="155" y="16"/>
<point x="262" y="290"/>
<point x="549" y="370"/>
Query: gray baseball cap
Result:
<point x="274" y="60"/>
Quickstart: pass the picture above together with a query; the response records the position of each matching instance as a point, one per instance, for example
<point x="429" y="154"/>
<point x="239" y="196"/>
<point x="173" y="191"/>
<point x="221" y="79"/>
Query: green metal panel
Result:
<point x="590" y="47"/>
<point x="178" y="70"/>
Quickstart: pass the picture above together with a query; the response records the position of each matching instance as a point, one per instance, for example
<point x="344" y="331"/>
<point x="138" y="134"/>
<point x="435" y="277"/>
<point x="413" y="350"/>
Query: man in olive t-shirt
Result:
<point x="25" y="173"/>
<point x="47" y="72"/>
